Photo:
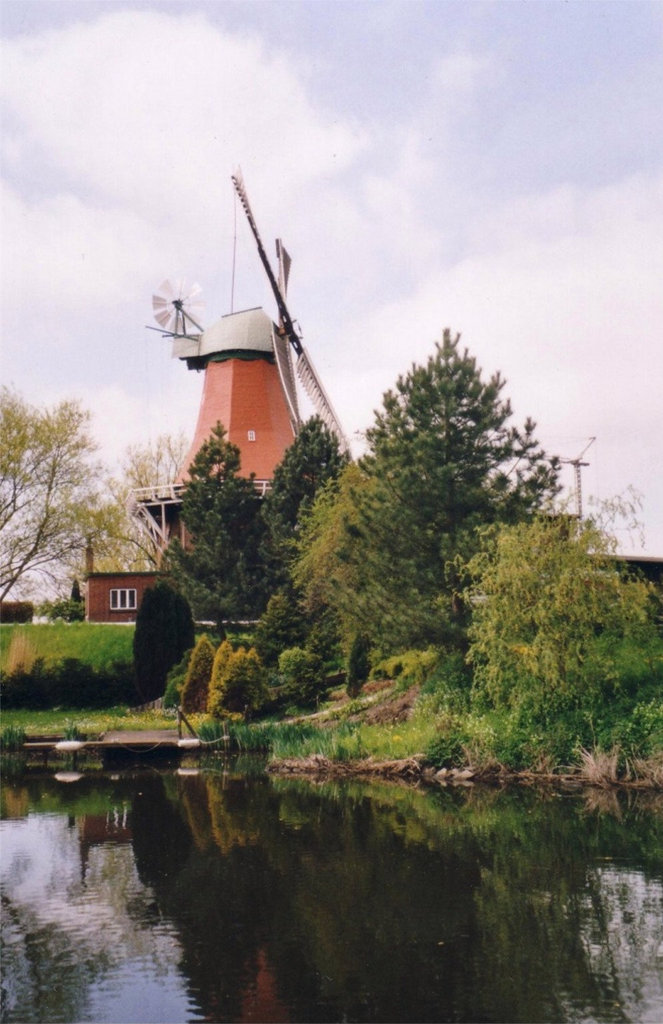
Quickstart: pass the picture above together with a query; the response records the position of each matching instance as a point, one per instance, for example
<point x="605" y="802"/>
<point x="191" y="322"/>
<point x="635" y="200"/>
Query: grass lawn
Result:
<point x="94" y="644"/>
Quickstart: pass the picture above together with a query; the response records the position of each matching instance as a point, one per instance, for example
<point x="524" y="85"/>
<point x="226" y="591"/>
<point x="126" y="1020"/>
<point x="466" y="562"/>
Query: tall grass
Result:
<point x="94" y="644"/>
<point x="12" y="738"/>
<point x="21" y="653"/>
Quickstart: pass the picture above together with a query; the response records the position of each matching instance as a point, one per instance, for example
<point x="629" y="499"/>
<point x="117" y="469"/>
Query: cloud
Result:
<point x="119" y="138"/>
<point x="562" y="294"/>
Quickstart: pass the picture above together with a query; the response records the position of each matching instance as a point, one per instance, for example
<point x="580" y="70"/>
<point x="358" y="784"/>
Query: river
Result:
<point x="228" y="895"/>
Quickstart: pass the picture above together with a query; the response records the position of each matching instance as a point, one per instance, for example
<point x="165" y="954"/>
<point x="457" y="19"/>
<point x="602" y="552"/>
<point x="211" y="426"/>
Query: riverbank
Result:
<point x="416" y="770"/>
<point x="389" y="731"/>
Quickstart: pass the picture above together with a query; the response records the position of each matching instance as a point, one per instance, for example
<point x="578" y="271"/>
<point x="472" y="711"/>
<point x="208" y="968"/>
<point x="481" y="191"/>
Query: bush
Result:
<point x="446" y="750"/>
<point x="69" y="683"/>
<point x="66" y="609"/>
<point x="238" y="682"/>
<point x="358" y="665"/>
<point x="448" y="686"/>
<point x="175" y="681"/>
<point x="640" y="734"/>
<point x="164" y="631"/>
<point x="411" y="668"/>
<point x="196" y="685"/>
<point x="302" y="675"/>
<point x="16" y="611"/>
<point x="218" y="679"/>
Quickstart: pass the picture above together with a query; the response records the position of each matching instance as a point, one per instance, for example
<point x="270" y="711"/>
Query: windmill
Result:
<point x="577" y="464"/>
<point x="249" y="383"/>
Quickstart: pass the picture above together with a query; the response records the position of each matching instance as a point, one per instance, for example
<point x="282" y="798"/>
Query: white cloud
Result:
<point x="563" y="295"/>
<point x="119" y="139"/>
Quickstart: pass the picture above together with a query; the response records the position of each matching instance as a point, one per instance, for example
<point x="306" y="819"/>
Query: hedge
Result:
<point x="68" y="684"/>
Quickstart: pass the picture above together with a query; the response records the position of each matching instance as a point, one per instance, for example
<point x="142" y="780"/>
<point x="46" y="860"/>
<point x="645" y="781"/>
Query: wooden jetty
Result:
<point x="123" y="743"/>
<point x="119" y="744"/>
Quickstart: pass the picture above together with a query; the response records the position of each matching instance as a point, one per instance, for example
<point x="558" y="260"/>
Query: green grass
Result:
<point x="92" y="643"/>
<point x="88" y="723"/>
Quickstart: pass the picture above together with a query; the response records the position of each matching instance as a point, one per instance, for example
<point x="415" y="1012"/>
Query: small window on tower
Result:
<point x="252" y="435"/>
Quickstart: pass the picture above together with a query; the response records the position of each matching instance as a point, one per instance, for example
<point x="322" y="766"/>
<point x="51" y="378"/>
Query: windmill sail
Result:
<point x="318" y="395"/>
<point x="284" y="364"/>
<point x="305" y="370"/>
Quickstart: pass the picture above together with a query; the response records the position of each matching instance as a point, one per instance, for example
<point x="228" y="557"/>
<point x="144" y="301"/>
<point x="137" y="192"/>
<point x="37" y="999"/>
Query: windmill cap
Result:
<point x="249" y="330"/>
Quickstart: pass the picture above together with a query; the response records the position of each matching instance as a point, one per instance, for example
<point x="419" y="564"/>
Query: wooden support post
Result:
<point x="181" y="717"/>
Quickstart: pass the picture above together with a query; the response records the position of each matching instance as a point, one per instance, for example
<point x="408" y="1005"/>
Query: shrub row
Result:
<point x="16" y="611"/>
<point x="68" y="684"/>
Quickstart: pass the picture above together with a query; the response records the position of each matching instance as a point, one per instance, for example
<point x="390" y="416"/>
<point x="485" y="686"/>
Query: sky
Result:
<point x="495" y="168"/>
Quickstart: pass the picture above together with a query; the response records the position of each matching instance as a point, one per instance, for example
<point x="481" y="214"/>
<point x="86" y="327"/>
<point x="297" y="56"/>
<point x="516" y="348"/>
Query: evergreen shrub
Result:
<point x="175" y="681"/>
<point x="199" y="673"/>
<point x="164" y="631"/>
<point x="238" y="682"/>
<point x="302" y="675"/>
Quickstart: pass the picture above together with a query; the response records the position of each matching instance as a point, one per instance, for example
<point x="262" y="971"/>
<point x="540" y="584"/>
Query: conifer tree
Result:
<point x="196" y="685"/>
<point x="221" y="572"/>
<point x="443" y="460"/>
<point x="164" y="631"/>
<point x="311" y="461"/>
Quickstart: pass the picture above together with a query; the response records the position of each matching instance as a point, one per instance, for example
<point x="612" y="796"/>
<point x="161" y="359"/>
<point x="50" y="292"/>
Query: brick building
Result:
<point x="116" y="596"/>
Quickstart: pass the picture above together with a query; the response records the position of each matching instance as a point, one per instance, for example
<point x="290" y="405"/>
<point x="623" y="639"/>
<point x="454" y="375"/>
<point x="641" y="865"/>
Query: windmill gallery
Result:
<point x="250" y="365"/>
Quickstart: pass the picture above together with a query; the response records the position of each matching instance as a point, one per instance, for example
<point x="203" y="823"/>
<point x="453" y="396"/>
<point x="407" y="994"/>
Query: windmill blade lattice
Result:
<point x="305" y="370"/>
<point x="318" y="395"/>
<point x="176" y="305"/>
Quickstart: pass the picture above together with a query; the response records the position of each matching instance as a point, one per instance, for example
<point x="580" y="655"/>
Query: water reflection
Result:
<point x="225" y="896"/>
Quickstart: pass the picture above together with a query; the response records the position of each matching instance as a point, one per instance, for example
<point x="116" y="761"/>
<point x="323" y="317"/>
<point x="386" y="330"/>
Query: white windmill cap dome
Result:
<point x="247" y="331"/>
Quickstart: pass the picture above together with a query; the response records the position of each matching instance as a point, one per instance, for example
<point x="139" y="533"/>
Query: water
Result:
<point x="226" y="896"/>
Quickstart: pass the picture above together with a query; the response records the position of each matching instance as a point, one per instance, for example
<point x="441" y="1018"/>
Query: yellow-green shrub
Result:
<point x="239" y="683"/>
<point x="196" y="684"/>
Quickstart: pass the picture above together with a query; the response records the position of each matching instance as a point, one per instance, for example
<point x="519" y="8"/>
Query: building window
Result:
<point x="252" y="435"/>
<point x="123" y="600"/>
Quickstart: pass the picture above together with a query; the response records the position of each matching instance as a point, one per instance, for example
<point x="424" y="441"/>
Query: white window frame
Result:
<point x="123" y="599"/>
<point x="252" y="435"/>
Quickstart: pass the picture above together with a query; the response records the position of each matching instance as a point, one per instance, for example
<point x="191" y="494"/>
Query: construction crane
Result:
<point x="577" y="464"/>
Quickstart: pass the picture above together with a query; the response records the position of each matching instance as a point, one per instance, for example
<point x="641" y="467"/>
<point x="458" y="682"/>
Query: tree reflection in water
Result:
<point x="286" y="900"/>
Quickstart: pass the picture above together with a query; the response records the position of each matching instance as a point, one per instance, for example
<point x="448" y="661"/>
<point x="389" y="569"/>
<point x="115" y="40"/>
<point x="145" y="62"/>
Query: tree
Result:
<point x="327" y="566"/>
<point x="359" y="665"/>
<point x="50" y="503"/>
<point x="164" y="631"/>
<point x="553" y="612"/>
<point x="221" y="572"/>
<point x="195" y="691"/>
<point x="282" y="625"/>
<point x="442" y="461"/>
<point x="126" y="543"/>
<point x="313" y="459"/>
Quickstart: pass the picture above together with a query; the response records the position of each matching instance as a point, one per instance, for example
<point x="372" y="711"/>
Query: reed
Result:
<point x="599" y="767"/>
<point x="12" y="738"/>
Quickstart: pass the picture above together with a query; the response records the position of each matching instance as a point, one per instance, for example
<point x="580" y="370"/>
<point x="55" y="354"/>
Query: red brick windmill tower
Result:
<point x="249" y="384"/>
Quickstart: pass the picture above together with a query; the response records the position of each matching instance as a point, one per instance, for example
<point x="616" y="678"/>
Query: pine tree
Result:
<point x="221" y="572"/>
<point x="313" y="459"/>
<point x="443" y="460"/>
